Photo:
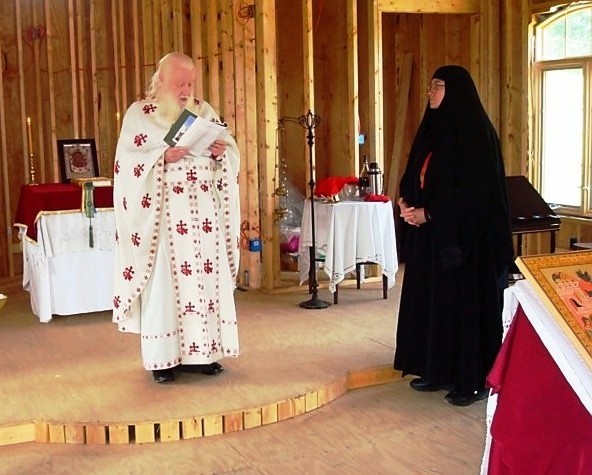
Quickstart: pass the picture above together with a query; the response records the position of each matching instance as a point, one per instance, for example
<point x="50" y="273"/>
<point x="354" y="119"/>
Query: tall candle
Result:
<point x="30" y="136"/>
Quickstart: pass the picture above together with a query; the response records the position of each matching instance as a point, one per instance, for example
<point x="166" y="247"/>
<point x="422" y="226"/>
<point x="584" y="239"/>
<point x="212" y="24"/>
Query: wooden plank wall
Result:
<point x="335" y="51"/>
<point x="487" y="37"/>
<point x="74" y="66"/>
<point x="415" y="34"/>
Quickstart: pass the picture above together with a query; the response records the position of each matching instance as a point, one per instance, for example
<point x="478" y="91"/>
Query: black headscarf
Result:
<point x="464" y="190"/>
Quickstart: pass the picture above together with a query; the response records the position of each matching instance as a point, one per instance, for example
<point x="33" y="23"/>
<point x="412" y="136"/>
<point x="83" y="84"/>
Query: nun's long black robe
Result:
<point x="449" y="324"/>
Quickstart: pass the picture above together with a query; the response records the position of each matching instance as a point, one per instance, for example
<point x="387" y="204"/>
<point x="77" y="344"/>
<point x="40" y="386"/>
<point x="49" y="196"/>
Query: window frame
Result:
<point x="538" y="68"/>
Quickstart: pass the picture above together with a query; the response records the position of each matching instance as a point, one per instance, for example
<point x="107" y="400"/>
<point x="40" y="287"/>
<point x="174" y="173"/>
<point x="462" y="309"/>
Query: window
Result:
<point x="561" y="103"/>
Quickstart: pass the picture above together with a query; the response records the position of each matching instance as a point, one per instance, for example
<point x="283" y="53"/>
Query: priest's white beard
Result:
<point x="169" y="109"/>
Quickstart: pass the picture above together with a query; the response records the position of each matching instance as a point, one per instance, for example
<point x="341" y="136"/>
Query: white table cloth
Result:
<point x="62" y="273"/>
<point x="347" y="233"/>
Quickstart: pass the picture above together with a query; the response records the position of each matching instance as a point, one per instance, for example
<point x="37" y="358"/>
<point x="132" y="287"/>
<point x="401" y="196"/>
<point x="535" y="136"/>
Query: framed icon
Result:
<point x="78" y="159"/>
<point x="564" y="283"/>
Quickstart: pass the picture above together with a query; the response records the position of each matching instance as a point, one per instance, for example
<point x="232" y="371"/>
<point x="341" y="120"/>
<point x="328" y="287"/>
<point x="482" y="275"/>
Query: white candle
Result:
<point x="30" y="136"/>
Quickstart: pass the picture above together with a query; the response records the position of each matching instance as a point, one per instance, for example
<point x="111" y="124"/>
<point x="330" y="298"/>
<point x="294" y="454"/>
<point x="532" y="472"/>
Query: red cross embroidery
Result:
<point x="214" y="347"/>
<point x="178" y="189"/>
<point x="116" y="301"/>
<point x="205" y="187"/>
<point x="136" y="239"/>
<point x="146" y="201"/>
<point x="181" y="228"/>
<point x="208" y="267"/>
<point x="149" y="108"/>
<point x="128" y="273"/>
<point x="211" y="306"/>
<point x="116" y="167"/>
<point x="138" y="169"/>
<point x="140" y="139"/>
<point x="193" y="348"/>
<point x="191" y="176"/>
<point x="207" y="226"/>
<point x="186" y="269"/>
<point x="189" y="308"/>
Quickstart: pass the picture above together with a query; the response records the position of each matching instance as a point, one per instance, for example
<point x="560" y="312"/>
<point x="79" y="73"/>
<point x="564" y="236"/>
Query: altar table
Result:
<point x="347" y="233"/>
<point x="45" y="197"/>
<point x="540" y="414"/>
<point x="63" y="274"/>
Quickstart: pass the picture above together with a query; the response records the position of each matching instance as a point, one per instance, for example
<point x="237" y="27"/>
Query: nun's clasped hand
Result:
<point x="411" y="215"/>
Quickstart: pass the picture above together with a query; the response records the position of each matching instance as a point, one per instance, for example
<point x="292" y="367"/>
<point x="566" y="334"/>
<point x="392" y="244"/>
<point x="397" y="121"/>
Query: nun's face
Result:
<point x="436" y="91"/>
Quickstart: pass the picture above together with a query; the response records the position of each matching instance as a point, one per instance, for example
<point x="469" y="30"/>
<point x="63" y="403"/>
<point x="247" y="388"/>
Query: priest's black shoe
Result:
<point x="466" y="398"/>
<point x="163" y="375"/>
<point x="420" y="384"/>
<point x="210" y="369"/>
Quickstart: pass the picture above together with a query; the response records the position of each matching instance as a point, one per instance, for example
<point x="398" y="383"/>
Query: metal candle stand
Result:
<point x="310" y="121"/>
<point x="32" y="169"/>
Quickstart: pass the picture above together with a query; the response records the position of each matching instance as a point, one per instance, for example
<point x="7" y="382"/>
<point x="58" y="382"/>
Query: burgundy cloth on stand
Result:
<point x="55" y="197"/>
<point x="539" y="425"/>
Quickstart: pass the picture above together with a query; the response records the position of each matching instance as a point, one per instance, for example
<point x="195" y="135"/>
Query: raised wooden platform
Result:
<point x="76" y="380"/>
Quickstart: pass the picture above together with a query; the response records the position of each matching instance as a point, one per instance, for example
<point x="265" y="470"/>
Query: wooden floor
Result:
<point x="60" y="381"/>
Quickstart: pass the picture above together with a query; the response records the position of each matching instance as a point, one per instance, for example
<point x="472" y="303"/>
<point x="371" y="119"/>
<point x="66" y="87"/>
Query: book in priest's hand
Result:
<point x="195" y="133"/>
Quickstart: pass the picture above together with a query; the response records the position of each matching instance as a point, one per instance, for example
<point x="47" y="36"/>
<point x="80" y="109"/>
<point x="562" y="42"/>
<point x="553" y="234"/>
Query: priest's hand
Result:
<point x="174" y="154"/>
<point x="217" y="148"/>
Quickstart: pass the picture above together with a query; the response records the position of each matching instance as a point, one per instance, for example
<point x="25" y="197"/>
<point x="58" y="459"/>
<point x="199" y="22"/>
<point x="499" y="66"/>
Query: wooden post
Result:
<point x="267" y="102"/>
<point x="400" y="120"/>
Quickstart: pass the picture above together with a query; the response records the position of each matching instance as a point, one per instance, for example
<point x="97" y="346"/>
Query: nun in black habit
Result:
<point x="456" y="244"/>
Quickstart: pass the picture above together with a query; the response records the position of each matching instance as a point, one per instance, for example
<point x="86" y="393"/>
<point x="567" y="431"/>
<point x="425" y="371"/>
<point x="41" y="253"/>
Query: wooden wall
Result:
<point x="361" y="65"/>
<point x="74" y="66"/>
<point x="408" y="35"/>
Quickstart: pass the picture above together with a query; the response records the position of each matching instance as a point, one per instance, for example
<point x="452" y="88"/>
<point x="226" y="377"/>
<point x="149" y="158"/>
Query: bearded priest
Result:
<point x="178" y="220"/>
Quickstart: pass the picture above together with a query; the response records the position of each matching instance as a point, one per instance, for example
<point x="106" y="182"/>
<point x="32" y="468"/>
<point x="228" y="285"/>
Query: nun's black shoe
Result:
<point x="466" y="398"/>
<point x="163" y="375"/>
<point x="420" y="384"/>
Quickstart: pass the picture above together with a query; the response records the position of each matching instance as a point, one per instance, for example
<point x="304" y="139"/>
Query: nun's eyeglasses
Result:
<point x="434" y="87"/>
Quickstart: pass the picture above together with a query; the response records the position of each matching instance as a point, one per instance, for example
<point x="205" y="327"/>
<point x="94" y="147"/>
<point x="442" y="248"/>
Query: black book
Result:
<point x="180" y="127"/>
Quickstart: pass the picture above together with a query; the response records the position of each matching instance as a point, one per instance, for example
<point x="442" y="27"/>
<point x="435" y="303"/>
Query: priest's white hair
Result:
<point x="180" y="59"/>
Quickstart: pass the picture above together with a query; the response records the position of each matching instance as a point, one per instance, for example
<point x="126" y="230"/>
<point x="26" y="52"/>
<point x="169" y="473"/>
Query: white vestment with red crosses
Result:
<point x="177" y="244"/>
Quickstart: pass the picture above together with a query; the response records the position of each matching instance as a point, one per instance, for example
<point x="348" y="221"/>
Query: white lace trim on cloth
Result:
<point x="510" y="306"/>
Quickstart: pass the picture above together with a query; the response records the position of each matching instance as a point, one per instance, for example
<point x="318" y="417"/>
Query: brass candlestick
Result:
<point x="31" y="154"/>
<point x="32" y="169"/>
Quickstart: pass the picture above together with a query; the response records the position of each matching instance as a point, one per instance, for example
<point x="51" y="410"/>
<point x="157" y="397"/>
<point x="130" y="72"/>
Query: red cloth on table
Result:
<point x="373" y="198"/>
<point x="332" y="185"/>
<point x="55" y="197"/>
<point x="540" y="425"/>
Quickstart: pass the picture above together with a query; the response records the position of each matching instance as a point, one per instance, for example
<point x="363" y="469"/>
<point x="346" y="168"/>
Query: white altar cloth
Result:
<point x="576" y="370"/>
<point x="61" y="272"/>
<point x="347" y="233"/>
